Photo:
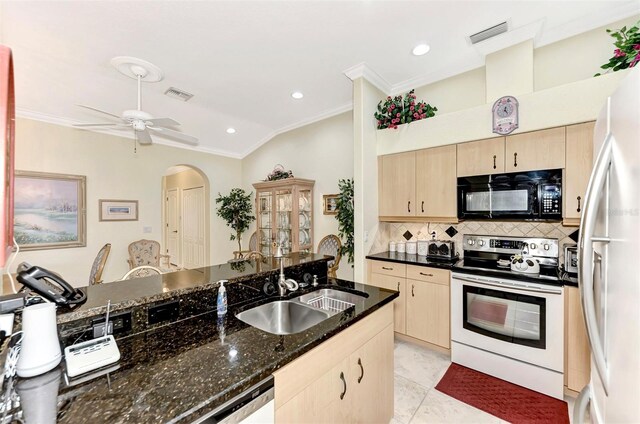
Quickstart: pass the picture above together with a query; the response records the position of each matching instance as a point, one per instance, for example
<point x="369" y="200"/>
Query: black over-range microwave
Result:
<point x="533" y="195"/>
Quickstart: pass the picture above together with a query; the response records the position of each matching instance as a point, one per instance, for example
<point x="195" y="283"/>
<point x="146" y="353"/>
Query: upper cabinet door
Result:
<point x="578" y="169"/>
<point x="436" y="182"/>
<point x="397" y="196"/>
<point x="535" y="150"/>
<point x="481" y="157"/>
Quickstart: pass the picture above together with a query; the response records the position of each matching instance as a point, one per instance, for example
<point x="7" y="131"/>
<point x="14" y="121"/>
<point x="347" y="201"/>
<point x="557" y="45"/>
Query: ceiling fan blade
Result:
<point x="177" y="136"/>
<point x="105" y="124"/>
<point x="144" y="137"/>
<point x="100" y="111"/>
<point x="162" y="122"/>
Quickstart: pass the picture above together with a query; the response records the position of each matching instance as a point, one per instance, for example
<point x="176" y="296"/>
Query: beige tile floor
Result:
<point x="417" y="371"/>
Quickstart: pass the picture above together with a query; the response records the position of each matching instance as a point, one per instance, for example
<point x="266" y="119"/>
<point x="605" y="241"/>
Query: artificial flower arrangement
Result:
<point x="279" y="173"/>
<point x="397" y="111"/>
<point x="627" y="52"/>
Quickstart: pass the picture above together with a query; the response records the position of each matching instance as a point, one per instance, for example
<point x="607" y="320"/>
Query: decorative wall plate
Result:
<point x="505" y="115"/>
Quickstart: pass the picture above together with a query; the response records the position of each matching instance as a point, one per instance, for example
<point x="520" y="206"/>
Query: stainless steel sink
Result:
<point x="283" y="317"/>
<point x="331" y="300"/>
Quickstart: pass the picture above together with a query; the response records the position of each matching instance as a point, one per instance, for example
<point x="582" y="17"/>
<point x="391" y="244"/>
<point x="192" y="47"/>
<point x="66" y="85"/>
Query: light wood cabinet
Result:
<point x="347" y="379"/>
<point x="428" y="311"/>
<point x="577" y="353"/>
<point x="480" y="157"/>
<point x="436" y="182"/>
<point x="535" y="150"/>
<point x="398" y="191"/>
<point x="284" y="214"/>
<point x="391" y="282"/>
<point x="579" y="158"/>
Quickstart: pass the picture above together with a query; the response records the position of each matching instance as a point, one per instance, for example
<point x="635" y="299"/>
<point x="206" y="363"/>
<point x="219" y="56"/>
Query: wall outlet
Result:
<point x="147" y="229"/>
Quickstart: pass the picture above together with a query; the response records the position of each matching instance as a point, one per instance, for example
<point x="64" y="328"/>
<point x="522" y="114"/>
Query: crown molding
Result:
<point x="362" y="70"/>
<point x="66" y="122"/>
<point x="324" y="115"/>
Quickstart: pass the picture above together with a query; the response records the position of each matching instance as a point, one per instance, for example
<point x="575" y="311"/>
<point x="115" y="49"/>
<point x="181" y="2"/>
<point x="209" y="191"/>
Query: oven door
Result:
<point x="499" y="200"/>
<point x="511" y="318"/>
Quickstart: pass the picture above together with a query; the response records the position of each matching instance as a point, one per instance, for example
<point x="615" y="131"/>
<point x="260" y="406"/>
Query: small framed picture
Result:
<point x="330" y="204"/>
<point x="118" y="210"/>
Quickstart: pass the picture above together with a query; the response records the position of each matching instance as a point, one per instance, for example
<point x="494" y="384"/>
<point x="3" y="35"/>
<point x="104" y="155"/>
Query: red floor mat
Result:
<point x="505" y="400"/>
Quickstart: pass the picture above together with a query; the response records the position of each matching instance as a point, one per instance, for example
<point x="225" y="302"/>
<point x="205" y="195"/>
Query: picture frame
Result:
<point x="330" y="204"/>
<point x="49" y="210"/>
<point x="118" y="210"/>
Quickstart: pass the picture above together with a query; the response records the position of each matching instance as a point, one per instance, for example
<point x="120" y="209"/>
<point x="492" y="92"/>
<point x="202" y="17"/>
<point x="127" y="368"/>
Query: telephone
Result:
<point x="49" y="285"/>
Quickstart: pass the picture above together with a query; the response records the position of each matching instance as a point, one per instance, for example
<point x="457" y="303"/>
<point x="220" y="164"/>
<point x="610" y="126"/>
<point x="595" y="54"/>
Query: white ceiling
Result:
<point x="242" y="59"/>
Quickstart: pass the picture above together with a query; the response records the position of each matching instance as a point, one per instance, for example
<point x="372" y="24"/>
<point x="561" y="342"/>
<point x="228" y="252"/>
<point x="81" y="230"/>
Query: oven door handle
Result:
<point x="586" y="257"/>
<point x="511" y="286"/>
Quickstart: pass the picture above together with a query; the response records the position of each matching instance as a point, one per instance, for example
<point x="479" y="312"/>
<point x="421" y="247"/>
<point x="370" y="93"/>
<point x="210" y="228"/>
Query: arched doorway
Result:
<point x="185" y="216"/>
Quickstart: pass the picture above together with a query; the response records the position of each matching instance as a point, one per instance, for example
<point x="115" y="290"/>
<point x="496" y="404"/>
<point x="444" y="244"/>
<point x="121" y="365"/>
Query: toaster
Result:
<point x="571" y="258"/>
<point x="441" y="249"/>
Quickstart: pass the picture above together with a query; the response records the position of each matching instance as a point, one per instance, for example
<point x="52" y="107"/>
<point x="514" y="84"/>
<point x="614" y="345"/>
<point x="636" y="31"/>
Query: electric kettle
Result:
<point x="40" y="351"/>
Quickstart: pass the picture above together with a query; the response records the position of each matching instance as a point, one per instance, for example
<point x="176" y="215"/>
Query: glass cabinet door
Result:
<point x="305" y="211"/>
<point x="284" y="207"/>
<point x="265" y="213"/>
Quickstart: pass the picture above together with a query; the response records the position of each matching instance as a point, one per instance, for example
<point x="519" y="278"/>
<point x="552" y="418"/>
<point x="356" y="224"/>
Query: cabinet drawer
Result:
<point x="388" y="268"/>
<point x="430" y="275"/>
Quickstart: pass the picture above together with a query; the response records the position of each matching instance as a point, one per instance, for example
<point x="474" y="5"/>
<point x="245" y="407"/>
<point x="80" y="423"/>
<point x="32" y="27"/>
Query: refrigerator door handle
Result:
<point x="586" y="255"/>
<point x="580" y="407"/>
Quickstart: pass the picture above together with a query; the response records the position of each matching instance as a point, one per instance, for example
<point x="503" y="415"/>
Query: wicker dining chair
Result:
<point x="253" y="247"/>
<point x="330" y="245"/>
<point x="146" y="252"/>
<point x="95" y="277"/>
<point x="141" y="271"/>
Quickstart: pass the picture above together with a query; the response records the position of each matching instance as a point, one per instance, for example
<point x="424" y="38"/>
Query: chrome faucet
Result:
<point x="284" y="283"/>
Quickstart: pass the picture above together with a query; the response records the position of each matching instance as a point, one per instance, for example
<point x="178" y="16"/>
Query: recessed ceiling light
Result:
<point x="421" y="49"/>
<point x="231" y="130"/>
<point x="297" y="95"/>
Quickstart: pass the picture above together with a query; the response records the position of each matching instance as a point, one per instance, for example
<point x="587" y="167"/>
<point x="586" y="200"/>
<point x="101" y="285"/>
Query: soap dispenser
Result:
<point x="221" y="303"/>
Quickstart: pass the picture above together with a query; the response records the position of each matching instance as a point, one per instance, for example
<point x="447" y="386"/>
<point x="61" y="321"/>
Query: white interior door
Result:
<point x="193" y="227"/>
<point x="173" y="226"/>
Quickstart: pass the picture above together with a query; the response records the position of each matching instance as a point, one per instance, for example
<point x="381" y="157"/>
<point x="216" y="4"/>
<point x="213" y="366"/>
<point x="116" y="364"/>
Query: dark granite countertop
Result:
<point x="180" y="372"/>
<point x="404" y="258"/>
<point x="130" y="293"/>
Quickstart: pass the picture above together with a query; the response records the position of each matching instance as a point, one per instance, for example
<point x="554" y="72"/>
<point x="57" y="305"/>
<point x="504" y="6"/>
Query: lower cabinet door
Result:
<point x="371" y="380"/>
<point x="428" y="312"/>
<point x="393" y="283"/>
<point x="329" y="399"/>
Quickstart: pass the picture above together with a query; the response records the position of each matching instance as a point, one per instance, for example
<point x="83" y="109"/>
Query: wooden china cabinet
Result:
<point x="284" y="212"/>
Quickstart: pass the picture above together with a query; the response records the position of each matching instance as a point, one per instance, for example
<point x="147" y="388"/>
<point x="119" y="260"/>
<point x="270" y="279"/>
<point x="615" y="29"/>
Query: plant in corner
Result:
<point x="344" y="208"/>
<point x="397" y="111"/>
<point x="627" y="51"/>
<point x="235" y="209"/>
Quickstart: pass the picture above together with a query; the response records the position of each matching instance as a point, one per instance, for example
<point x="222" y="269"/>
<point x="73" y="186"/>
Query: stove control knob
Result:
<point x="480" y="242"/>
<point x="471" y="242"/>
<point x="546" y="246"/>
<point x="533" y="245"/>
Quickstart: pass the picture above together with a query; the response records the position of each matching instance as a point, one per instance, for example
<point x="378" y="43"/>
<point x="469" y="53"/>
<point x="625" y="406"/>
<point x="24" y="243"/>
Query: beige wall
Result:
<point x="184" y="179"/>
<point x="322" y="152"/>
<point x="114" y="171"/>
<point x="461" y="91"/>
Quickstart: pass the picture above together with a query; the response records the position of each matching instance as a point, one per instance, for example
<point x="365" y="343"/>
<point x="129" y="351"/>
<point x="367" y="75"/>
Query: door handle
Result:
<point x="344" y="385"/>
<point x="423" y="206"/>
<point x="586" y="256"/>
<point x="494" y="161"/>
<point x="412" y="293"/>
<point x="409" y="206"/>
<point x="515" y="160"/>
<point x="398" y="286"/>
<point x="579" y="198"/>
<point x="361" y="370"/>
<point x="174" y="231"/>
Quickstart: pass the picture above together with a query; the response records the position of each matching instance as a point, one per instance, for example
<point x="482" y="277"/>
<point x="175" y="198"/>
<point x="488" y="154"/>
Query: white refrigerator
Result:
<point x="609" y="262"/>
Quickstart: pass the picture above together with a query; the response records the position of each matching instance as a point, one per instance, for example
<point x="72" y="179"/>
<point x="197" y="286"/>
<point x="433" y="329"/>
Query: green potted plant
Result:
<point x="235" y="209"/>
<point x="344" y="215"/>
<point x="627" y="51"/>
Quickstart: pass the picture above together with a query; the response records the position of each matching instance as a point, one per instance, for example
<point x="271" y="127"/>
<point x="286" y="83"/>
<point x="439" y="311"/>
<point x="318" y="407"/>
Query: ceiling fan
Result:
<point x="143" y="123"/>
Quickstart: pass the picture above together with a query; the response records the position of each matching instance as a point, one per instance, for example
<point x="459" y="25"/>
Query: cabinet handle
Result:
<point x="494" y="161"/>
<point x="515" y="160"/>
<point x="412" y="293"/>
<point x="398" y="286"/>
<point x="361" y="371"/>
<point x="423" y="206"/>
<point x="579" y="198"/>
<point x="409" y="206"/>
<point x="387" y="268"/>
<point x="426" y="275"/>
<point x="344" y="384"/>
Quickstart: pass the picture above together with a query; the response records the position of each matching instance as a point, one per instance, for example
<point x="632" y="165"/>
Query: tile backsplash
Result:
<point x="394" y="232"/>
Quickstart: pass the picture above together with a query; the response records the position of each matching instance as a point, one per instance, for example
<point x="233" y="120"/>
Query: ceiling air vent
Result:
<point x="488" y="33"/>
<point x="178" y="94"/>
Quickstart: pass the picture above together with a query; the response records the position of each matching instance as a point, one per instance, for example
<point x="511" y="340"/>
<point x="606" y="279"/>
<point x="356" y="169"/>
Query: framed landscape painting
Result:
<point x="49" y="210"/>
<point x="118" y="210"/>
